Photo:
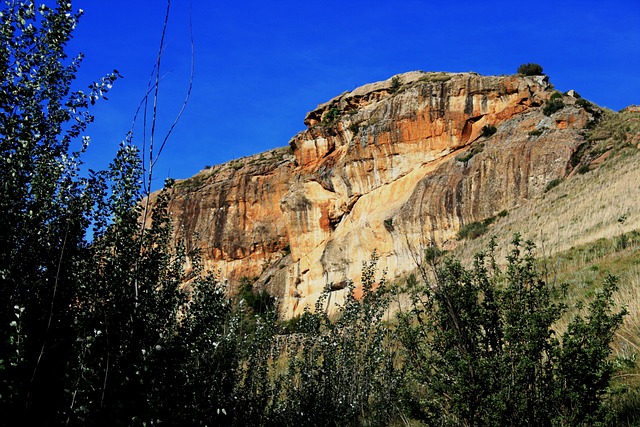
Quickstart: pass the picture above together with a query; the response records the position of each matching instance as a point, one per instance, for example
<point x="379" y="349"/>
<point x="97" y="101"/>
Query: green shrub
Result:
<point x="488" y="130"/>
<point x="395" y="84"/>
<point x="553" y="183"/>
<point x="530" y="69"/>
<point x="331" y="116"/>
<point x="435" y="78"/>
<point x="536" y="132"/>
<point x="588" y="107"/>
<point x="472" y="230"/>
<point x="478" y="228"/>
<point x="556" y="95"/>
<point x="475" y="149"/>
<point x="622" y="242"/>
<point x="432" y="253"/>
<point x="583" y="169"/>
<point x="260" y="302"/>
<point x="341" y="372"/>
<point x="552" y="106"/>
<point x="481" y="348"/>
<point x="490" y="220"/>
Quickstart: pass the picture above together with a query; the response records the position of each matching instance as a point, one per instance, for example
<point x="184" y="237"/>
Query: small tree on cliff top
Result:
<point x="530" y="69"/>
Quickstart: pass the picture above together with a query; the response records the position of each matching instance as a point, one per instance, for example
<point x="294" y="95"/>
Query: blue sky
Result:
<point x="261" y="66"/>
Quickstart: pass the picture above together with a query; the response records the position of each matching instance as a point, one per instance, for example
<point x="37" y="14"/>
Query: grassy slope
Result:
<point x="602" y="203"/>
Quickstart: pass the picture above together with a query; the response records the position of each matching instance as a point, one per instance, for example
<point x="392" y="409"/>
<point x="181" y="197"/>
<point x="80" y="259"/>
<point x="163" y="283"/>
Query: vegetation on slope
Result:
<point x="587" y="227"/>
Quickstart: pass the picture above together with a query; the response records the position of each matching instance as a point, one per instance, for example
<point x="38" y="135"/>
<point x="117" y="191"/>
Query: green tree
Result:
<point x="530" y="69"/>
<point x="45" y="207"/>
<point x="343" y="371"/>
<point x="482" y="351"/>
<point x="84" y="321"/>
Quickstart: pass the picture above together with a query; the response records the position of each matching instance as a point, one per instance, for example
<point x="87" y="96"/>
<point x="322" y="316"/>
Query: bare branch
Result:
<point x="188" y="95"/>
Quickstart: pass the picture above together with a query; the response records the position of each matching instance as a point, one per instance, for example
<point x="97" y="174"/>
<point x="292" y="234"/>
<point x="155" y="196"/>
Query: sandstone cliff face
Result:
<point x="386" y="167"/>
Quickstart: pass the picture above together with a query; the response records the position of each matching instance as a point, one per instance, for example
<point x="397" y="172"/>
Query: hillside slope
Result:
<point x="598" y="200"/>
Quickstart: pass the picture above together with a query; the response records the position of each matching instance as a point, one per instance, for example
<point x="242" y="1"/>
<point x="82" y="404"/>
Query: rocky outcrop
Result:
<point x="389" y="167"/>
<point x="231" y="213"/>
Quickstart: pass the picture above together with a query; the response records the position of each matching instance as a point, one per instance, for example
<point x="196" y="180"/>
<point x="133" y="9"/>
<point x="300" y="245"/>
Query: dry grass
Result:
<point x="616" y="130"/>
<point x="602" y="203"/>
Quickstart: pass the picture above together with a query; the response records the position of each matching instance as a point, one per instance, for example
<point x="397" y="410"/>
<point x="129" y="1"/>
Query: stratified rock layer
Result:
<point x="390" y="167"/>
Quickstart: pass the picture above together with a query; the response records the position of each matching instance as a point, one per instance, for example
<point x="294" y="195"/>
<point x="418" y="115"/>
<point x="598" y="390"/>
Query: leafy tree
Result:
<point x="530" y="69"/>
<point x="343" y="371"/>
<point x="90" y="298"/>
<point x="482" y="350"/>
<point x="46" y="208"/>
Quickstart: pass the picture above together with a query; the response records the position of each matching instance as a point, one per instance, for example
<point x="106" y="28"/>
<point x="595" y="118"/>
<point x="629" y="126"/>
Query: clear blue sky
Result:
<point x="261" y="65"/>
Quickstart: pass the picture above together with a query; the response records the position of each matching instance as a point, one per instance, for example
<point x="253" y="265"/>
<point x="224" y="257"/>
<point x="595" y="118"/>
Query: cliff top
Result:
<point x="362" y="95"/>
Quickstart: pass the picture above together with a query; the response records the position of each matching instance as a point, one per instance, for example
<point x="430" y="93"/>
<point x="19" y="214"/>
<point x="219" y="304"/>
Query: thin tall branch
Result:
<point x="154" y="117"/>
<point x="188" y="95"/>
<point x="152" y="156"/>
<point x="53" y="300"/>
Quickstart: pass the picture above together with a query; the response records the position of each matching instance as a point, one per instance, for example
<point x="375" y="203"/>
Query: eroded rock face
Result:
<point x="386" y="167"/>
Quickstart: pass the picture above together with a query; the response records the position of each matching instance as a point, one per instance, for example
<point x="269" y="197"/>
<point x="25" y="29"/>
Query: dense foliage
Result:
<point x="100" y="324"/>
<point x="530" y="69"/>
<point x="482" y="348"/>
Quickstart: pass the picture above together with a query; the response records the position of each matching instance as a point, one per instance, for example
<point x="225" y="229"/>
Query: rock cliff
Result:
<point x="390" y="167"/>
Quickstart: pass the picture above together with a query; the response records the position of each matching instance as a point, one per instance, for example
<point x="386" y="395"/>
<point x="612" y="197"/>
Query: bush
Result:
<point x="260" y="302"/>
<point x="488" y="130"/>
<point x="481" y="349"/>
<point x="472" y="230"/>
<point x="588" y="107"/>
<point x="343" y="371"/>
<point x="395" y="84"/>
<point x="432" y="253"/>
<point x="556" y="95"/>
<point x="552" y="106"/>
<point x="530" y="69"/>
<point x="475" y="149"/>
<point x="583" y="169"/>
<point x="553" y="183"/>
<point x="331" y="116"/>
